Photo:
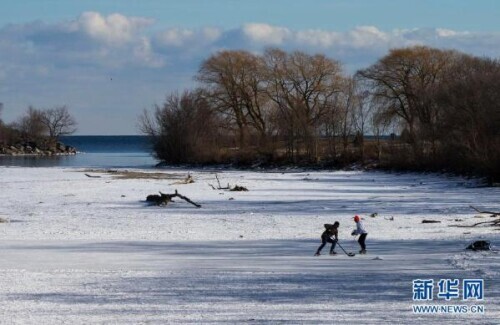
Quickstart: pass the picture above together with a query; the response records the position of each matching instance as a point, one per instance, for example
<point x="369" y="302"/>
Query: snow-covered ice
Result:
<point x="86" y="250"/>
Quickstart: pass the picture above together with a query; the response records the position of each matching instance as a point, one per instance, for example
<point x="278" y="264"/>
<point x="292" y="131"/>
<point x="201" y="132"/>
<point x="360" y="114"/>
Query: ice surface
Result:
<point x="86" y="250"/>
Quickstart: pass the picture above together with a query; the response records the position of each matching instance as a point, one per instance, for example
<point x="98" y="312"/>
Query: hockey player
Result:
<point x="326" y="237"/>
<point x="360" y="230"/>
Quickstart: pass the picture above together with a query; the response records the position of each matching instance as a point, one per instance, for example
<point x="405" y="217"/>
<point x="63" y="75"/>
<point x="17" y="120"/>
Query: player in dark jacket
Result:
<point x="326" y="237"/>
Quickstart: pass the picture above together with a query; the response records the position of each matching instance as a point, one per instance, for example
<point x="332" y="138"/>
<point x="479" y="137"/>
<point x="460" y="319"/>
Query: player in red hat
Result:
<point x="360" y="230"/>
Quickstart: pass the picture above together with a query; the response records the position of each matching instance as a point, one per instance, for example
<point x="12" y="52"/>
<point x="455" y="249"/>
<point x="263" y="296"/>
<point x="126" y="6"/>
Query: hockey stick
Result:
<point x="348" y="254"/>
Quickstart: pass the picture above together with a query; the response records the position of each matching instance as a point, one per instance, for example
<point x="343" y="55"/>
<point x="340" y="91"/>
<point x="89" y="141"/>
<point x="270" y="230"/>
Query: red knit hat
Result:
<point x="356" y="218"/>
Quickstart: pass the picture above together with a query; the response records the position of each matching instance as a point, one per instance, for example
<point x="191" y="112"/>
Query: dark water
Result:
<point x="95" y="151"/>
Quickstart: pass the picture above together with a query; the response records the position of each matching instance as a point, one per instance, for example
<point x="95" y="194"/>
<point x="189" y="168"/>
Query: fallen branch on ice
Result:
<point x="495" y="222"/>
<point x="92" y="176"/>
<point x="164" y="199"/>
<point x="235" y="188"/>
<point x="493" y="214"/>
<point x="188" y="180"/>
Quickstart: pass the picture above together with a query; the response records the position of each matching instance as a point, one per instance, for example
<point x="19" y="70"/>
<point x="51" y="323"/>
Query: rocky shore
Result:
<point x="33" y="150"/>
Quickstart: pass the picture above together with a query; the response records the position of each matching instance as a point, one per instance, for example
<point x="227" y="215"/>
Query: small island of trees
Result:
<point x="37" y="132"/>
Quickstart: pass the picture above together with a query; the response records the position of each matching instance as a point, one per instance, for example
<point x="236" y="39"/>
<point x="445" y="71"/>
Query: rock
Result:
<point x="479" y="245"/>
<point x="33" y="148"/>
<point x="70" y="150"/>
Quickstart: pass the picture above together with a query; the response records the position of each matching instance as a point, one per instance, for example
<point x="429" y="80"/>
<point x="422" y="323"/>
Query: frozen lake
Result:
<point x="89" y="250"/>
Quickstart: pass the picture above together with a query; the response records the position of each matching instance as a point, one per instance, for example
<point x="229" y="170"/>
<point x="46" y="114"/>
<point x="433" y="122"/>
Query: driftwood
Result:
<point x="495" y="222"/>
<point x="493" y="214"/>
<point x="430" y="221"/>
<point x="238" y="188"/>
<point x="235" y="188"/>
<point x="188" y="180"/>
<point x="219" y="187"/>
<point x="164" y="199"/>
<point x="92" y="176"/>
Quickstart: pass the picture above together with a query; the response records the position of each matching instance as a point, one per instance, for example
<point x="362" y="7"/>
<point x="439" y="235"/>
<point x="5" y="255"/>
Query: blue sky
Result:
<point x="109" y="60"/>
<point x="477" y="15"/>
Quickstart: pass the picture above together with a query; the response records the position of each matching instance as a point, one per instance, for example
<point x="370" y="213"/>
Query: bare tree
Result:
<point x="362" y="113"/>
<point x="380" y="124"/>
<point x="346" y="102"/>
<point x="58" y="122"/>
<point x="235" y="87"/>
<point x="303" y="88"/>
<point x="406" y="79"/>
<point x="184" y="129"/>
<point x="31" y="126"/>
<point x="470" y="126"/>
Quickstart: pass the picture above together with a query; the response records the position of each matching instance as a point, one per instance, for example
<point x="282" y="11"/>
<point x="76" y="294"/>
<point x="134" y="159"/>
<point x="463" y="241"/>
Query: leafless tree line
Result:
<point x="297" y="107"/>
<point x="252" y="107"/>
<point x="38" y="126"/>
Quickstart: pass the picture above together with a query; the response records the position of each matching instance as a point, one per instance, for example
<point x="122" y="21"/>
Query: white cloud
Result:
<point x="266" y="34"/>
<point x="359" y="37"/>
<point x="145" y="53"/>
<point x="211" y="34"/>
<point x="182" y="39"/>
<point x="318" y="38"/>
<point x="175" y="37"/>
<point x="442" y="32"/>
<point x="120" y="41"/>
<point x="365" y="37"/>
<point x="114" y="29"/>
